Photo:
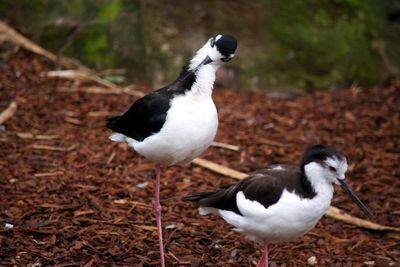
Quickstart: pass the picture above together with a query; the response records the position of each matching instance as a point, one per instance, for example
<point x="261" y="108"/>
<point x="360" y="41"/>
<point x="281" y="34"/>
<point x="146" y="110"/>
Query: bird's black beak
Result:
<point x="206" y="61"/>
<point x="353" y="195"/>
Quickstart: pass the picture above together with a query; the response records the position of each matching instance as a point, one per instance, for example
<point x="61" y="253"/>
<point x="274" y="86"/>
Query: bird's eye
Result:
<point x="332" y="168"/>
<point x="212" y="43"/>
<point x="225" y="59"/>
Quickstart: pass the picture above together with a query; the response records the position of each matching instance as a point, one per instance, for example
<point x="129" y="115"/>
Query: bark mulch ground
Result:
<point x="71" y="197"/>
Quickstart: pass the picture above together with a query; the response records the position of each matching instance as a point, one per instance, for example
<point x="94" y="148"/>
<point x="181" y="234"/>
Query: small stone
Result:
<point x="312" y="261"/>
<point x="170" y="226"/>
<point x="142" y="185"/>
<point x="8" y="226"/>
<point x="369" y="263"/>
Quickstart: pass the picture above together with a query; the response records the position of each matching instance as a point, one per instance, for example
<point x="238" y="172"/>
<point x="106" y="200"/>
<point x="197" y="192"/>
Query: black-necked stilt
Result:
<point x="281" y="202"/>
<point x="175" y="124"/>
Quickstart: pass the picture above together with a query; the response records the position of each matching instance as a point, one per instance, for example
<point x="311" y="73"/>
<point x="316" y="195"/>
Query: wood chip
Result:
<point x="225" y="146"/>
<point x="8" y="112"/>
<point x="78" y="213"/>
<point x="54" y="148"/>
<point x="44" y="174"/>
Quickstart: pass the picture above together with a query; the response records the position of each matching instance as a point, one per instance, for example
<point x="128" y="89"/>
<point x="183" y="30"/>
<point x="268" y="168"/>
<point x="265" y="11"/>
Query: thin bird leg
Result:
<point x="266" y="251"/>
<point x="261" y="263"/>
<point x="264" y="259"/>
<point x="157" y="208"/>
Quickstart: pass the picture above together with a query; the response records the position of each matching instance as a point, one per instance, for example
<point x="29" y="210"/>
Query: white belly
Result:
<point x="190" y="127"/>
<point x="286" y="220"/>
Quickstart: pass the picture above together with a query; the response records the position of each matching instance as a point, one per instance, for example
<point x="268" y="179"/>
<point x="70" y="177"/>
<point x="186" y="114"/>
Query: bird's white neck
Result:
<point x="204" y="84"/>
<point x="316" y="176"/>
<point x="200" y="55"/>
<point x="205" y="75"/>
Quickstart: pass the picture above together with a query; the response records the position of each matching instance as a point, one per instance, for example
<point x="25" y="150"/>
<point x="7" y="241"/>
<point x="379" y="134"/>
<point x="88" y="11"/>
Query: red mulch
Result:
<point x="86" y="206"/>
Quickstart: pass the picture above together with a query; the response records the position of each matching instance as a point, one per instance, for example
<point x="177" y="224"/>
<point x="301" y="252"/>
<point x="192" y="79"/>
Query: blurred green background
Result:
<point x="283" y="45"/>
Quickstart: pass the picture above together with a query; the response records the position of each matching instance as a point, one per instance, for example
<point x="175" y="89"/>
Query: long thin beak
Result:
<point x="353" y="195"/>
<point x="206" y="61"/>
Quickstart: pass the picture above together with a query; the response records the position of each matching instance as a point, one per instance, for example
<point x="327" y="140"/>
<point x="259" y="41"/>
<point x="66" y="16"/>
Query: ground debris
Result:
<point x="69" y="196"/>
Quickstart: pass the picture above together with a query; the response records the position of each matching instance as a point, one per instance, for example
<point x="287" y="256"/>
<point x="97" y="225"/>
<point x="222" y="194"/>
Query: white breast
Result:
<point x="190" y="127"/>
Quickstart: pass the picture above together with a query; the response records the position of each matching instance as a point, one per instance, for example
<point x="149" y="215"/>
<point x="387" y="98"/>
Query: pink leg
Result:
<point x="266" y="250"/>
<point x="261" y="263"/>
<point x="157" y="208"/>
<point x="264" y="259"/>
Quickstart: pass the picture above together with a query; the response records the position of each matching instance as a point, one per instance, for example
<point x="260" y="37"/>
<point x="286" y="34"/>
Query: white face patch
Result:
<point x="214" y="54"/>
<point x="336" y="166"/>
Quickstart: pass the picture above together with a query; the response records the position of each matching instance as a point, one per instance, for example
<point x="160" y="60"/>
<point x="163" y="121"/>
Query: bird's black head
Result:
<point x="327" y="163"/>
<point x="226" y="45"/>
<point x="319" y="153"/>
<point x="217" y="51"/>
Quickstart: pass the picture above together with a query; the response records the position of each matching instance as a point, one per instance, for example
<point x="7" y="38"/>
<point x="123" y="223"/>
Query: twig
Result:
<point x="38" y="137"/>
<point x="9" y="34"/>
<point x="332" y="212"/>
<point x="101" y="114"/>
<point x="79" y="75"/>
<point x="134" y="203"/>
<point x="219" y="168"/>
<point x="146" y="227"/>
<point x="98" y="90"/>
<point x="265" y="141"/>
<point x="225" y="146"/>
<point x="8" y="112"/>
<point x="44" y="174"/>
<point x="54" y="148"/>
<point x="340" y="215"/>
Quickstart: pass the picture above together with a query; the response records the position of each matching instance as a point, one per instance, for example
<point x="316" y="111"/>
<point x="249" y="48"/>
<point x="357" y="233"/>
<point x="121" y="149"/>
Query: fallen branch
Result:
<point x="332" y="212"/>
<point x="23" y="135"/>
<point x="54" y="148"/>
<point x="8" y="112"/>
<point x="98" y="90"/>
<point x="79" y="75"/>
<point x="338" y="214"/>
<point x="9" y="34"/>
<point x="225" y="146"/>
<point x="219" y="168"/>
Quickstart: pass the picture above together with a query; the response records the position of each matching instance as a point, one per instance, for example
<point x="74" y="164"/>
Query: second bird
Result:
<point x="175" y="124"/>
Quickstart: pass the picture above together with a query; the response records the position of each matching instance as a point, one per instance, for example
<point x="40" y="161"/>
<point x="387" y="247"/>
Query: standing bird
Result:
<point x="175" y="124"/>
<point x="281" y="202"/>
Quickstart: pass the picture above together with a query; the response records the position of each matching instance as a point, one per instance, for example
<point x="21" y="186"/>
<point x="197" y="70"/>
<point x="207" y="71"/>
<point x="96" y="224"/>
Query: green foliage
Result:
<point x="110" y="12"/>
<point x="305" y="44"/>
<point x="322" y="43"/>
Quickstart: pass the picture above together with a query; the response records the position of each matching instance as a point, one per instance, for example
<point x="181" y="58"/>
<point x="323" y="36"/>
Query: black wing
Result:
<point x="265" y="186"/>
<point x="148" y="114"/>
<point x="145" y="117"/>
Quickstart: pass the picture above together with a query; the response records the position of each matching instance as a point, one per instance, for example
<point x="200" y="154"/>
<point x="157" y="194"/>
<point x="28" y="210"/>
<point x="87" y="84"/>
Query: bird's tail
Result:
<point x="117" y="137"/>
<point x="197" y="197"/>
<point x="111" y="122"/>
<point x="202" y="195"/>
